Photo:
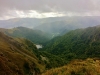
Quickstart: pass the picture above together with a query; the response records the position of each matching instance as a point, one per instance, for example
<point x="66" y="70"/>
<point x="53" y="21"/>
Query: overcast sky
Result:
<point x="48" y="8"/>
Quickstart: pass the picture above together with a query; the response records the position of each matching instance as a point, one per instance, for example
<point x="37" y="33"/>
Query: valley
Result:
<point x="49" y="37"/>
<point x="26" y="51"/>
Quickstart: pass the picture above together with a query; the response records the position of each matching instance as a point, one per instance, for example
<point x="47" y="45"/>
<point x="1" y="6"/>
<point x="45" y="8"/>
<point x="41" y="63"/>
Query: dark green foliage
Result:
<point x="26" y="67"/>
<point x="52" y="61"/>
<point x="80" y="43"/>
<point x="37" y="70"/>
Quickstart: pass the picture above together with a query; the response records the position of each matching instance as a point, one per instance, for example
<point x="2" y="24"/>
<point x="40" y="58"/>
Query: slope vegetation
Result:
<point x="77" y="67"/>
<point x="17" y="57"/>
<point x="35" y="36"/>
<point x="80" y="43"/>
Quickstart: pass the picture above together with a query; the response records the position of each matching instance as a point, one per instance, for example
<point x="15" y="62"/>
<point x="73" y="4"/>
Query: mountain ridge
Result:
<point x="17" y="58"/>
<point x="79" y="43"/>
<point x="35" y="36"/>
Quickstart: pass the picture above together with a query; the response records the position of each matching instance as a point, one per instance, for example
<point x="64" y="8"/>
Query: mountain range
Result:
<point x="36" y="36"/>
<point x="53" y="25"/>
<point x="65" y="25"/>
<point x="70" y="47"/>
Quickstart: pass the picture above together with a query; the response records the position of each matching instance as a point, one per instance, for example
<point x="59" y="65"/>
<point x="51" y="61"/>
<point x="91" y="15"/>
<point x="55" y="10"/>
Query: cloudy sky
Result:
<point x="48" y="8"/>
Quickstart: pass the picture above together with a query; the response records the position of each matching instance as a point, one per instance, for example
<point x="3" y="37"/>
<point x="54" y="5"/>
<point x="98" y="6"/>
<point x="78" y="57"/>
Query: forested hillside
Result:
<point x="36" y="36"/>
<point x="79" y="43"/>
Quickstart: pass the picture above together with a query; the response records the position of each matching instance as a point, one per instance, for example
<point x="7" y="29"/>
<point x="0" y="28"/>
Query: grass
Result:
<point x="77" y="67"/>
<point x="14" y="54"/>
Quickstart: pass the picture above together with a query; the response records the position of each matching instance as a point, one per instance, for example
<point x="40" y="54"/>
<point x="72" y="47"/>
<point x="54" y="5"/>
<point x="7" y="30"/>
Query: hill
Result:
<point x="36" y="36"/>
<point x="17" y="57"/>
<point x="79" y="43"/>
<point x="77" y="67"/>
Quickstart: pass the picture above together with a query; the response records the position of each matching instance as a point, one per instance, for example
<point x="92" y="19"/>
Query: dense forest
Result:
<point x="76" y="44"/>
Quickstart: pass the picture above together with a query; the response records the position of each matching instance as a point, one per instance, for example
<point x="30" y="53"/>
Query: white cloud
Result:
<point x="31" y="14"/>
<point x="35" y="14"/>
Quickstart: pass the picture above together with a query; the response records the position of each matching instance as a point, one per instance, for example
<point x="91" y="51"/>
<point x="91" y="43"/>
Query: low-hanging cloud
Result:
<point x="9" y="7"/>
